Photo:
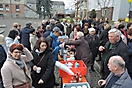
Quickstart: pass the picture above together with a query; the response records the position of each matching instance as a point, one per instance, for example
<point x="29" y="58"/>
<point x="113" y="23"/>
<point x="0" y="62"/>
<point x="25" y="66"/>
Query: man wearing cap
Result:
<point x="53" y="43"/>
<point x="55" y="46"/>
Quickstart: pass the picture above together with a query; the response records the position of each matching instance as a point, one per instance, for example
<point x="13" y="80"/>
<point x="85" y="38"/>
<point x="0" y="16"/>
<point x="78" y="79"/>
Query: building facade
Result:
<point x="111" y="9"/>
<point x="16" y="9"/>
<point x="58" y="8"/>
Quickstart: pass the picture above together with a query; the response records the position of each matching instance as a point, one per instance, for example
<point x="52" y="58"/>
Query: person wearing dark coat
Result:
<point x="3" y="56"/>
<point x="115" y="46"/>
<point x="24" y="35"/>
<point x="129" y="65"/>
<point x="42" y="57"/>
<point x="83" y="51"/>
<point x="47" y="32"/>
<point x="119" y="77"/>
<point x="93" y="42"/>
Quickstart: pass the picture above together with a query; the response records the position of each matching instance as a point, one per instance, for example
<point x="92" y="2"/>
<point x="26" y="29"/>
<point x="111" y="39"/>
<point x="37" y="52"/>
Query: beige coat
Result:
<point x="12" y="74"/>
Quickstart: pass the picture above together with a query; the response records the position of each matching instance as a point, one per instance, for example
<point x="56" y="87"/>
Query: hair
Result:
<point x="107" y="26"/>
<point x="39" y="27"/>
<point x="116" y="24"/>
<point x="15" y="25"/>
<point x="115" y="31"/>
<point x="129" y="31"/>
<point x="128" y="25"/>
<point x="16" y="46"/>
<point x="85" y="24"/>
<point x="80" y="34"/>
<point x="118" y="62"/>
<point x="32" y="30"/>
<point x="12" y="34"/>
<point x="121" y="26"/>
<point x="48" y="27"/>
<point x="39" y="41"/>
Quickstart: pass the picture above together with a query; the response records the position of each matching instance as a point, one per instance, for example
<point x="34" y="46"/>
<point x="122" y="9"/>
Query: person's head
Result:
<point x="116" y="24"/>
<point x="39" y="29"/>
<point x="68" y="21"/>
<point x="107" y="26"/>
<point x="64" y="20"/>
<point x="19" y="27"/>
<point x="93" y="24"/>
<point x="121" y="26"/>
<point x="43" y="21"/>
<point x="1" y="39"/>
<point x="57" y="31"/>
<point x="32" y="31"/>
<point x="91" y="31"/>
<point x="16" y="50"/>
<point x="15" y="25"/>
<point x="129" y="33"/>
<point x="114" y="35"/>
<point x="86" y="25"/>
<point x="72" y="51"/>
<point x="29" y="25"/>
<point x="48" y="27"/>
<point x="42" y="44"/>
<point x="129" y="25"/>
<point x="79" y="35"/>
<point x="116" y="64"/>
<point x="13" y="34"/>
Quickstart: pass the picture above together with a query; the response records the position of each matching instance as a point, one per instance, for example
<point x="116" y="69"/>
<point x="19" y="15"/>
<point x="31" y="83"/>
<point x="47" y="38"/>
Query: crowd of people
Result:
<point x="30" y="54"/>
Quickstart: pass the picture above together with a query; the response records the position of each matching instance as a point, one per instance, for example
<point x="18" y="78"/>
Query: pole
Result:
<point x="11" y="8"/>
<point x="80" y="7"/>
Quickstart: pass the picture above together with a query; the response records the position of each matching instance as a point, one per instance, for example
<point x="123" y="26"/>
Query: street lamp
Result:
<point x="42" y="10"/>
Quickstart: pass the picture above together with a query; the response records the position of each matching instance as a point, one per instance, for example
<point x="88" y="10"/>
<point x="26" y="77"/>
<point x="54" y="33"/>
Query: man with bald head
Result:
<point x="119" y="77"/>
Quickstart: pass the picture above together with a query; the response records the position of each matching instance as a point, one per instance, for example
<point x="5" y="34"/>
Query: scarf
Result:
<point x="19" y="61"/>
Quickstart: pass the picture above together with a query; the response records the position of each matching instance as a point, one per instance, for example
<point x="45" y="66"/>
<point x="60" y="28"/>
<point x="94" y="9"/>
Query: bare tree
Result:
<point x="103" y="5"/>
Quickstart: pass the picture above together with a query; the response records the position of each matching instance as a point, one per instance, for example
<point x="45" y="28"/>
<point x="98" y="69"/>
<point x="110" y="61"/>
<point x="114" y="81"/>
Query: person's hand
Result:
<point x="17" y="37"/>
<point x="101" y="48"/>
<point x="62" y="45"/>
<point x="34" y="67"/>
<point x="40" y="81"/>
<point x="101" y="82"/>
<point x="71" y="39"/>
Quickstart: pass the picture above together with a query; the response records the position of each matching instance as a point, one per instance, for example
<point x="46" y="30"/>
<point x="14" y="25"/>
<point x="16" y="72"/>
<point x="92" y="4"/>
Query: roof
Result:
<point x="31" y="1"/>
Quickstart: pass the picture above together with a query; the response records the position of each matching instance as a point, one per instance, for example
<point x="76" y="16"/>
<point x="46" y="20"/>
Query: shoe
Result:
<point x="56" y="84"/>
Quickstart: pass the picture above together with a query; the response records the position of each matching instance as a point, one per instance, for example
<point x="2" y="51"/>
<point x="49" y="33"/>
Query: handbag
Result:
<point x="24" y="85"/>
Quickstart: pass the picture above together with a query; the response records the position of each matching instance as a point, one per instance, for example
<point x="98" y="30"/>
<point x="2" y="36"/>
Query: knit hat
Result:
<point x="1" y="39"/>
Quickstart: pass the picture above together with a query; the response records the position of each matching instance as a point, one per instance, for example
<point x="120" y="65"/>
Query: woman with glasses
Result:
<point x="14" y="71"/>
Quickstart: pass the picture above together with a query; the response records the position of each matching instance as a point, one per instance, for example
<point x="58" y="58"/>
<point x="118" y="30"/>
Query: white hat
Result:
<point x="91" y="29"/>
<point x="1" y="39"/>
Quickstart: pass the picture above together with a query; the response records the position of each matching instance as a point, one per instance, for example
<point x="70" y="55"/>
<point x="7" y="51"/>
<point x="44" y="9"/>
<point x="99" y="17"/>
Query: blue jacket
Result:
<point x="54" y="44"/>
<point x="24" y="36"/>
<point x="123" y="82"/>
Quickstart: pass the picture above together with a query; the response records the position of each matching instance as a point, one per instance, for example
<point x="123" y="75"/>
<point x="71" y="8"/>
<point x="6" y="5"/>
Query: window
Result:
<point x="58" y="6"/>
<point x="17" y="8"/>
<point x="7" y="7"/>
<point x="1" y="7"/>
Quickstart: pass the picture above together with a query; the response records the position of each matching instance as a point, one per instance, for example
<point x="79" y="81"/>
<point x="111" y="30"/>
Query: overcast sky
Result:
<point x="68" y="3"/>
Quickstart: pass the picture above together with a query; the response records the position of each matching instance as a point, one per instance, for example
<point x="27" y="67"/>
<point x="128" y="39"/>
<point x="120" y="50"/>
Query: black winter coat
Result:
<point x="93" y="44"/>
<point x="119" y="48"/>
<point x="47" y="70"/>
